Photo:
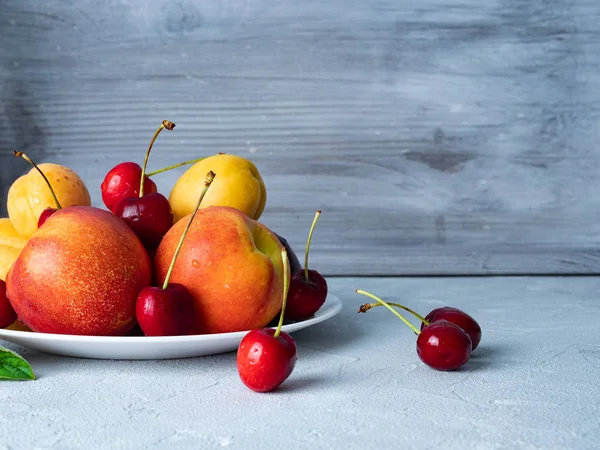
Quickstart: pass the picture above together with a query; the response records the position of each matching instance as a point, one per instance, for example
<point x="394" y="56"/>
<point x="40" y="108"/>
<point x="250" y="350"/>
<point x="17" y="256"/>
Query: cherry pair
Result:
<point x="447" y="336"/>
<point x="130" y="194"/>
<point x="169" y="310"/>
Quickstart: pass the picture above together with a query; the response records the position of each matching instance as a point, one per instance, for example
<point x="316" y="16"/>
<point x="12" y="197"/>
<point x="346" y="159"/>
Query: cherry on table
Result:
<point x="457" y="317"/>
<point x="149" y="216"/>
<point x="7" y="313"/>
<point x="169" y="310"/>
<point x="441" y="345"/>
<point x="46" y="213"/>
<point x="308" y="288"/>
<point x="267" y="357"/>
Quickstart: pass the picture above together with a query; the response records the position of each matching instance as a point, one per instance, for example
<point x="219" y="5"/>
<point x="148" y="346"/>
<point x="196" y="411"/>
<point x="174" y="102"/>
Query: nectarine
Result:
<point x="231" y="265"/>
<point x="79" y="274"/>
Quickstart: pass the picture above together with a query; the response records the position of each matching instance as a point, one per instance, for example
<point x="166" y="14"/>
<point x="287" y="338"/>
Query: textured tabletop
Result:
<point x="358" y="383"/>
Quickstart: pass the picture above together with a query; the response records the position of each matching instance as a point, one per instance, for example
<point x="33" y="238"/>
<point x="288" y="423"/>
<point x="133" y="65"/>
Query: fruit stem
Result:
<point x="310" y="233"/>
<point x="28" y="159"/>
<point x="400" y="316"/>
<point x="367" y="306"/>
<point x="174" y="166"/>
<point x="210" y="176"/>
<point x="286" y="282"/>
<point x="165" y="124"/>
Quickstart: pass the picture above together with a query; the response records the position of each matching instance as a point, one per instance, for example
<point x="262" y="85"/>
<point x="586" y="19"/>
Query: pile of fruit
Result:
<point x="198" y="262"/>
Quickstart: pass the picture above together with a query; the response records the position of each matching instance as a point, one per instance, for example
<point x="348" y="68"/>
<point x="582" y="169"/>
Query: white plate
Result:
<point x="147" y="347"/>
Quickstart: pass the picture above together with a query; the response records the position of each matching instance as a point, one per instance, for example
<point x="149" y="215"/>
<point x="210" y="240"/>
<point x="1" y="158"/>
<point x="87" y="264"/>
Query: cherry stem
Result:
<point x="210" y="176"/>
<point x="174" y="166"/>
<point x="367" y="306"/>
<point x="310" y="233"/>
<point x="400" y="316"/>
<point x="28" y="159"/>
<point x="286" y="282"/>
<point x="165" y="124"/>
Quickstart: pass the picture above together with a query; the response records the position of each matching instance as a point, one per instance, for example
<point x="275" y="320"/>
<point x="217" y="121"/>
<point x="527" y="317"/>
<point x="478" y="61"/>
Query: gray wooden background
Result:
<point x="438" y="136"/>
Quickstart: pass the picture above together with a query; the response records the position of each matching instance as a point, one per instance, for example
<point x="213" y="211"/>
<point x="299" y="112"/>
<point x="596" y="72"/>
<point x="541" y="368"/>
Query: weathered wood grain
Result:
<point x="438" y="136"/>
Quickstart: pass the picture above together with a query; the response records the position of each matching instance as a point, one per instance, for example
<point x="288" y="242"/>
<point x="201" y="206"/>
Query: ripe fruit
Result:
<point x="29" y="195"/>
<point x="444" y="346"/>
<point x="308" y="288"/>
<point x="448" y="313"/>
<point x="169" y="311"/>
<point x="231" y="265"/>
<point x="48" y="211"/>
<point x="239" y="186"/>
<point x="122" y="181"/>
<point x="441" y="345"/>
<point x="11" y="244"/>
<point x="79" y="274"/>
<point x="149" y="216"/>
<point x="7" y="313"/>
<point x="457" y="317"/>
<point x="267" y="357"/>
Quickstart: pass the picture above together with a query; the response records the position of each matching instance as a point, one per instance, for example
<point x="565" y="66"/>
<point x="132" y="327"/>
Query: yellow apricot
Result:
<point x="11" y="244"/>
<point x="237" y="184"/>
<point x="29" y="195"/>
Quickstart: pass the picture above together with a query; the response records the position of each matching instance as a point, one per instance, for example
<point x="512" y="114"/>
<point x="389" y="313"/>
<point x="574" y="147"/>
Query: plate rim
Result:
<point x="333" y="302"/>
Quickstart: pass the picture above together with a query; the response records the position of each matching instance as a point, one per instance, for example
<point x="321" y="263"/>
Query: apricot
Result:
<point x="11" y="244"/>
<point x="238" y="184"/>
<point x="29" y="195"/>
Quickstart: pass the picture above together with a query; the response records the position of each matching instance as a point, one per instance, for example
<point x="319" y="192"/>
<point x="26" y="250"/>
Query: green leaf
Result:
<point x="13" y="366"/>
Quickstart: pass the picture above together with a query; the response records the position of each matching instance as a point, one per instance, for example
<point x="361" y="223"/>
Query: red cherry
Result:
<point x="305" y="297"/>
<point x="165" y="312"/>
<point x="457" y="317"/>
<point x="170" y="310"/>
<point x="7" y="313"/>
<point x="124" y="180"/>
<point x="45" y="215"/>
<point x="267" y="357"/>
<point x="150" y="216"/>
<point x="308" y="288"/>
<point x="441" y="345"/>
<point x="444" y="346"/>
<point x="265" y="361"/>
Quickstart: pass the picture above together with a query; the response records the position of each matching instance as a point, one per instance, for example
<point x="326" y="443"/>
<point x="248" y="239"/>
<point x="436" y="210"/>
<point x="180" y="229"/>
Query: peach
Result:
<point x="29" y="195"/>
<point x="232" y="266"/>
<point x="79" y="274"/>
<point x="237" y="184"/>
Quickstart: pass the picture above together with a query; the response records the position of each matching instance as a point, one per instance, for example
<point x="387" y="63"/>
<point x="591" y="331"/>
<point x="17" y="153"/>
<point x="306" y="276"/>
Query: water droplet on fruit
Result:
<point x="195" y="262"/>
<point x="36" y="200"/>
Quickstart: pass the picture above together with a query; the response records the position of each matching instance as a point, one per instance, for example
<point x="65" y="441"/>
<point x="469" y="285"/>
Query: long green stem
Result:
<point x="367" y="306"/>
<point x="310" y="233"/>
<point x="175" y="166"/>
<point x="28" y="159"/>
<point x="165" y="124"/>
<point x="286" y="282"/>
<point x="210" y="176"/>
<point x="400" y="316"/>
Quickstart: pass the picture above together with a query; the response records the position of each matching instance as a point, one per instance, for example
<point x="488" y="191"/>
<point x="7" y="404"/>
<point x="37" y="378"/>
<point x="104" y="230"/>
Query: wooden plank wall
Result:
<point x="438" y="136"/>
